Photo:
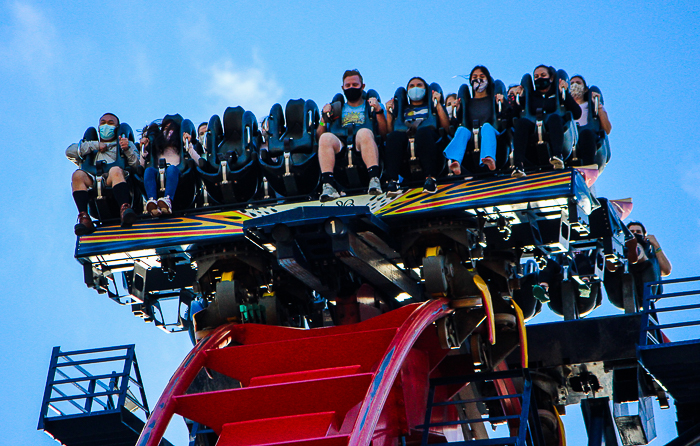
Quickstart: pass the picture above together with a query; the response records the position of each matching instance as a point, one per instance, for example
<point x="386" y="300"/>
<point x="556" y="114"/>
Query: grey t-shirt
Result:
<point x="480" y="109"/>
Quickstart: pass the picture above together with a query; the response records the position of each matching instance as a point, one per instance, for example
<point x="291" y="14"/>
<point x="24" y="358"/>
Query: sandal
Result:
<point x="164" y="205"/>
<point x="152" y="208"/>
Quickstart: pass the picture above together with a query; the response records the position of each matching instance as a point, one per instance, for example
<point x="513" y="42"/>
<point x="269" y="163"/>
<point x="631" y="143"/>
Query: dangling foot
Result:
<point x="392" y="188"/>
<point x="328" y="193"/>
<point x="85" y="225"/>
<point x="375" y="187"/>
<point x="165" y="206"/>
<point x="455" y="168"/>
<point x="518" y="172"/>
<point x="556" y="162"/>
<point x="152" y="208"/>
<point x="128" y="216"/>
<point x="430" y="186"/>
<point x="489" y="162"/>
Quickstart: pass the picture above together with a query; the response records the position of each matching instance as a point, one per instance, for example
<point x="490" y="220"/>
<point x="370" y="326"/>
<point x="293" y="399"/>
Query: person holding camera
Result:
<point x="649" y="250"/>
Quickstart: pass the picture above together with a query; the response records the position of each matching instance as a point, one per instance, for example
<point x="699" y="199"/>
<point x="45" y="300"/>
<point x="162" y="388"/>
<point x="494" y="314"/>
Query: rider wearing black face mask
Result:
<point x="544" y="97"/>
<point x="353" y="113"/>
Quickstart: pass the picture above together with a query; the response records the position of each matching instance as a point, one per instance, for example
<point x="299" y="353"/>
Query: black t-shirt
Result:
<point x="480" y="109"/>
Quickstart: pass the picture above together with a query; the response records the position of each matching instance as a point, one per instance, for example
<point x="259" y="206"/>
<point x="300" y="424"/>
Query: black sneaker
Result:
<point x="430" y="185"/>
<point x="392" y="188"/>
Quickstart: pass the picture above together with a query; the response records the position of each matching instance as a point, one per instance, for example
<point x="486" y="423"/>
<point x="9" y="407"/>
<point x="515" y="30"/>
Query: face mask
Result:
<point x="577" y="91"/>
<point x="107" y="131"/>
<point x="542" y="83"/>
<point x="479" y="85"/>
<point x="416" y="94"/>
<point x="511" y="99"/>
<point x="203" y="140"/>
<point x="449" y="110"/>
<point x="352" y="94"/>
<point x="168" y="134"/>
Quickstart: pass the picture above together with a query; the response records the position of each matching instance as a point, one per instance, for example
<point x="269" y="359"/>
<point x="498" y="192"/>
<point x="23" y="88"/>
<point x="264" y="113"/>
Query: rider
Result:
<point x="329" y="145"/>
<point x="587" y="139"/>
<point x="544" y="97"/>
<point x="105" y="149"/>
<point x="426" y="137"/>
<point x="652" y="263"/>
<point x="167" y="146"/>
<point x="480" y="109"/>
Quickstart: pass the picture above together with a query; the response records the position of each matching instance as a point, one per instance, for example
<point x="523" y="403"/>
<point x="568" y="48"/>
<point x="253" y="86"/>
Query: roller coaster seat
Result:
<point x="540" y="153"/>
<point x="411" y="168"/>
<point x="504" y="139"/>
<point x="234" y="158"/>
<point x="350" y="170"/>
<point x="602" y="153"/>
<point x="289" y="163"/>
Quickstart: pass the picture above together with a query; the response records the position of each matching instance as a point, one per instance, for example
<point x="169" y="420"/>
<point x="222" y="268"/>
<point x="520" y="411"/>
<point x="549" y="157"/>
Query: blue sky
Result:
<point x="64" y="64"/>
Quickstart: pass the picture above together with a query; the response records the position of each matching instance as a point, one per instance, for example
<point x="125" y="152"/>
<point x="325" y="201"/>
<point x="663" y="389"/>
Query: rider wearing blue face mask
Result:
<point x="426" y="137"/>
<point x="105" y="149"/>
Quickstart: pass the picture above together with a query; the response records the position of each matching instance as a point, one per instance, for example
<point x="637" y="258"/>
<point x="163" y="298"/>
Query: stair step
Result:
<point x="214" y="409"/>
<point x="244" y="362"/>
<point x="276" y="430"/>
<point x="305" y="375"/>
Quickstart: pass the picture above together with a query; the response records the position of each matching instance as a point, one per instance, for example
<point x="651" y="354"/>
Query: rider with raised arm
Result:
<point x="329" y="145"/>
<point x="105" y="149"/>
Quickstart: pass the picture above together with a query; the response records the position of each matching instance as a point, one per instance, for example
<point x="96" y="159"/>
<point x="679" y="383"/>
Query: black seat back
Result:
<point x="238" y="142"/>
<point x="299" y="133"/>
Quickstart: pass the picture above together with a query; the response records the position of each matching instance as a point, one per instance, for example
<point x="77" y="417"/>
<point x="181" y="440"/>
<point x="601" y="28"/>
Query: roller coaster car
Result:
<point x="411" y="168"/>
<point x="350" y="170"/>
<point x="233" y="158"/>
<point x="290" y="163"/>
<point x="187" y="185"/>
<point x="538" y="151"/>
<point x="297" y="255"/>
<point x="102" y="205"/>
<point x="504" y="140"/>
<point x="602" y="153"/>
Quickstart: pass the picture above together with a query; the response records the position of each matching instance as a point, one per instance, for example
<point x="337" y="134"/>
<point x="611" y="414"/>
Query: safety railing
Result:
<point x="89" y="382"/>
<point x="670" y="313"/>
<point x="524" y="416"/>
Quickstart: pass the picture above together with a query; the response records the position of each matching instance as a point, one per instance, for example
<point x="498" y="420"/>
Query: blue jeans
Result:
<point x="152" y="183"/>
<point x="456" y="148"/>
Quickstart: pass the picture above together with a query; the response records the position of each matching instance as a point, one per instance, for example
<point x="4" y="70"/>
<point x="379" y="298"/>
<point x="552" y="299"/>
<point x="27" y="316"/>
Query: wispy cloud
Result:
<point x="32" y="45"/>
<point x="690" y="180"/>
<point x="250" y="87"/>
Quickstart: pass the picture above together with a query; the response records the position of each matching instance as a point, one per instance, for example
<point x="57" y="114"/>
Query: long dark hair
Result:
<point x="490" y="87"/>
<point x="161" y="143"/>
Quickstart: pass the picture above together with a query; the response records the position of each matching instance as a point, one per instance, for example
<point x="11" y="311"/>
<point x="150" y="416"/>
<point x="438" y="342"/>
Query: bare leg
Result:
<point x="328" y="147"/>
<point x="116" y="176"/>
<point x="80" y="181"/>
<point x="364" y="141"/>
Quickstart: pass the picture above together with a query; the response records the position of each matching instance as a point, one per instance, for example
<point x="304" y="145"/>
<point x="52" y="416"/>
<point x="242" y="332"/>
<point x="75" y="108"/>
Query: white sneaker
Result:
<point x="375" y="187"/>
<point x="328" y="193"/>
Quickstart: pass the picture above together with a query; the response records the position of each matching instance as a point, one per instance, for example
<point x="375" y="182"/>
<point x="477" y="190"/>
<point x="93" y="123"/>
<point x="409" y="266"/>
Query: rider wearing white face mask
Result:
<point x="425" y="141"/>
<point x="104" y="149"/>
